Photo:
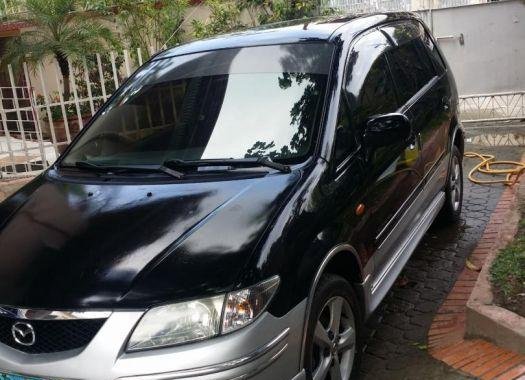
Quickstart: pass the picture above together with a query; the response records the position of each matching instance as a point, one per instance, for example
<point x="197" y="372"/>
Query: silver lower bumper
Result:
<point x="267" y="349"/>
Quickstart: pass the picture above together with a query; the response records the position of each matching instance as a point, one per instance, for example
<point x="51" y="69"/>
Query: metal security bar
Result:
<point x="37" y="122"/>
<point x="492" y="107"/>
<point x="360" y="6"/>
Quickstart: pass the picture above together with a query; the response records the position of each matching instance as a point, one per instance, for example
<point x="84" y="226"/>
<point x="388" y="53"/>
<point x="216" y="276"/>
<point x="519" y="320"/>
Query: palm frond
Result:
<point x="60" y="27"/>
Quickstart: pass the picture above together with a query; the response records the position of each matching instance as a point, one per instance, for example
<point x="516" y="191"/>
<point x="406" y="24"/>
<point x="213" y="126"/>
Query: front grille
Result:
<point x="52" y="335"/>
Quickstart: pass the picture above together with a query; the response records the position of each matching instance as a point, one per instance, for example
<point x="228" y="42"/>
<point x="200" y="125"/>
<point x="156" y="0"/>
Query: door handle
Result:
<point x="415" y="141"/>
<point x="446" y="103"/>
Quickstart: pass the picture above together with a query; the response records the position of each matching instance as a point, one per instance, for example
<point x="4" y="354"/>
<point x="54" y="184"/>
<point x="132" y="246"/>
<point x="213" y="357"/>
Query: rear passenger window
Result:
<point x="411" y="67"/>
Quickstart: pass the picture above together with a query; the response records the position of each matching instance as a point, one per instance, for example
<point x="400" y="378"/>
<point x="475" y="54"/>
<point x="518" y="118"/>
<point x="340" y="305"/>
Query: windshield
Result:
<point x="232" y="103"/>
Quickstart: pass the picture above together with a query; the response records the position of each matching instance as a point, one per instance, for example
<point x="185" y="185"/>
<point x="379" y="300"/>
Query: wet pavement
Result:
<point x="397" y="332"/>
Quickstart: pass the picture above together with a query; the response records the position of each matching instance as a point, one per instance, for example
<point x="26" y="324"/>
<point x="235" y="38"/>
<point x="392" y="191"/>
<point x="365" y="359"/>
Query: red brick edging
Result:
<point x="446" y="341"/>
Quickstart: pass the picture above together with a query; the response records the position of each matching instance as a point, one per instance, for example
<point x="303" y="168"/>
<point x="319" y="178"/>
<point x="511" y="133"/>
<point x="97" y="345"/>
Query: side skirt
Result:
<point x="377" y="287"/>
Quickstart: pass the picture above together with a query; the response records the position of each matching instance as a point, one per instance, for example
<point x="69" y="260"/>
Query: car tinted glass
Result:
<point x="345" y="139"/>
<point x="369" y="88"/>
<point x="232" y="103"/>
<point x="434" y="53"/>
<point x="411" y="68"/>
<point x="402" y="32"/>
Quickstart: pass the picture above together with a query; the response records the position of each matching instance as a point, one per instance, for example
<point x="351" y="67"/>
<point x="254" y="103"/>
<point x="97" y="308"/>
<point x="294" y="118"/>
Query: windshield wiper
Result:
<point x="236" y="162"/>
<point x="129" y="169"/>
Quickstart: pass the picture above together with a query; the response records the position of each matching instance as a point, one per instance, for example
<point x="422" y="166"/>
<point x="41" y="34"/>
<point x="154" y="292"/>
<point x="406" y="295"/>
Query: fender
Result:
<point x="456" y="133"/>
<point x="348" y="249"/>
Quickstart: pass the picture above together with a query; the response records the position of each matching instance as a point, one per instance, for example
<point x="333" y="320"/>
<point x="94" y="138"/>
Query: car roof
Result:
<point x="304" y="30"/>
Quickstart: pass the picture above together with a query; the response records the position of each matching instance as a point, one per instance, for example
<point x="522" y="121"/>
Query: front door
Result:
<point x="391" y="173"/>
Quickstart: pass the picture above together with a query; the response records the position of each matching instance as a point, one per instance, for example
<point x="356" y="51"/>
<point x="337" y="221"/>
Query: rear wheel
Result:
<point x="332" y="344"/>
<point x="454" y="188"/>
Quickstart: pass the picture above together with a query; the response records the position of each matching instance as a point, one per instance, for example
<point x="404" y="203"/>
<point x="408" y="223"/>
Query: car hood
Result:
<point x="65" y="244"/>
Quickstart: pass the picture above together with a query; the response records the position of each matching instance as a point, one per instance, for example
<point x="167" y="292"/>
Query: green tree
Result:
<point x="151" y="23"/>
<point x="283" y="10"/>
<point x="225" y="17"/>
<point x="60" y="29"/>
<point x="253" y="8"/>
<point x="226" y="14"/>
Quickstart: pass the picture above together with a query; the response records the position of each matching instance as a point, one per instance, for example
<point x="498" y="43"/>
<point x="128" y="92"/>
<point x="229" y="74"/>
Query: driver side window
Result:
<point x="345" y="139"/>
<point x="368" y="91"/>
<point x="370" y="87"/>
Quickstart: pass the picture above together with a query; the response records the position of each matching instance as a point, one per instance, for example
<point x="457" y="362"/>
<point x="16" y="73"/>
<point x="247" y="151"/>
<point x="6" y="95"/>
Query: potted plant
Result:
<point x="59" y="119"/>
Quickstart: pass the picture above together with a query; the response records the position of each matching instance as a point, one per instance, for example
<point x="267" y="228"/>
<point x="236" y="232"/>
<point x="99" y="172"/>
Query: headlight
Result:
<point x="178" y="323"/>
<point x="190" y="321"/>
<point x="244" y="306"/>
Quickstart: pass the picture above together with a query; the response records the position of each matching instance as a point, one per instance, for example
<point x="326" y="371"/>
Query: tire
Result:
<point x="453" y="189"/>
<point x="328" y="353"/>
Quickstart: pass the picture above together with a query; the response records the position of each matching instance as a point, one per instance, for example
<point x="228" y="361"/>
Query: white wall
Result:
<point x="492" y="58"/>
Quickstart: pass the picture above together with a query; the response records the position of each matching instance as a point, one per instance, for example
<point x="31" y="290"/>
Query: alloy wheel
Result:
<point x="455" y="184"/>
<point x="334" y="341"/>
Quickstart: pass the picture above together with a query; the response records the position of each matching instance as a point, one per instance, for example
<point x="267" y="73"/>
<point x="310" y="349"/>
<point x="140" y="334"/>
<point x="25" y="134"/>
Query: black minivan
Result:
<point x="236" y="210"/>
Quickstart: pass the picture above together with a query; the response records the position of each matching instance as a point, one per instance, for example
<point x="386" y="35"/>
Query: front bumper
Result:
<point x="267" y="349"/>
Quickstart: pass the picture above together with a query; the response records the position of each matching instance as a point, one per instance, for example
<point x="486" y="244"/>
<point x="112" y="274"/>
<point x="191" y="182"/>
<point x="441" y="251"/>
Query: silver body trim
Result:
<point x="403" y="239"/>
<point x="45" y="315"/>
<point x="269" y="348"/>
<point x="300" y="376"/>
<point x="261" y="351"/>
<point x="420" y="229"/>
<point x="420" y="186"/>
<point x="262" y="366"/>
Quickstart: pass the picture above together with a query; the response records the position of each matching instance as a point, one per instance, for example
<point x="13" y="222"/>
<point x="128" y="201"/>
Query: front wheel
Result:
<point x="332" y="347"/>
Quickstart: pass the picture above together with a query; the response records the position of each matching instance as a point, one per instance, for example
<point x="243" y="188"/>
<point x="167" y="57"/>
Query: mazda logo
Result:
<point x="23" y="333"/>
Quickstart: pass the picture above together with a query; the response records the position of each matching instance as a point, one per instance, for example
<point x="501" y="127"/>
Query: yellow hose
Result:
<point x="485" y="167"/>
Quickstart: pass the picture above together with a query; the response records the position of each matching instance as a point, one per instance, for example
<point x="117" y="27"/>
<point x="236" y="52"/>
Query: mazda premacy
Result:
<point x="236" y="210"/>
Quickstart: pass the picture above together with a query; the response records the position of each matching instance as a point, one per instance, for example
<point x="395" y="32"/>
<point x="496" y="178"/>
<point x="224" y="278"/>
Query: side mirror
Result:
<point x="387" y="129"/>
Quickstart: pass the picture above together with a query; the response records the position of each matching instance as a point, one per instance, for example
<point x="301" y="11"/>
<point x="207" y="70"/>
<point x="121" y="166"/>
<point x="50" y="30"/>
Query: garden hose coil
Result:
<point x="512" y="171"/>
